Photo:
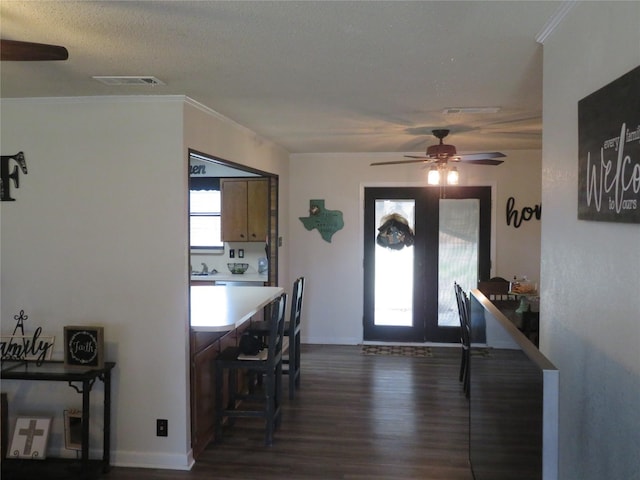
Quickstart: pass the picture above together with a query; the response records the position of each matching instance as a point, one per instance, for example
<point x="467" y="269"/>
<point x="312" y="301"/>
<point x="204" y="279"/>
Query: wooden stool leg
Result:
<point x="291" y="373"/>
<point x="269" y="407"/>
<point x="278" y="397"/>
<point x="298" y="360"/>
<point x="218" y="399"/>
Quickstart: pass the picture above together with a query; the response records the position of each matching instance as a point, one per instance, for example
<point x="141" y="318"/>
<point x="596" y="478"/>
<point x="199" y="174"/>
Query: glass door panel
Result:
<point x="459" y="232"/>
<point x="394" y="268"/>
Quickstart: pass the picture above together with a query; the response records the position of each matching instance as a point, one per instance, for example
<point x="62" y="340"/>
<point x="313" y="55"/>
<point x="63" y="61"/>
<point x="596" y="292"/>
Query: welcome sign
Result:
<point x="609" y="152"/>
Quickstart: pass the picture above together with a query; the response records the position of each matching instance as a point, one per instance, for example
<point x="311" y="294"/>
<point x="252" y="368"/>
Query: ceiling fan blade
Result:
<point x="17" y="51"/>
<point x="398" y="162"/>
<point x="470" y="157"/>
<point x="483" y="161"/>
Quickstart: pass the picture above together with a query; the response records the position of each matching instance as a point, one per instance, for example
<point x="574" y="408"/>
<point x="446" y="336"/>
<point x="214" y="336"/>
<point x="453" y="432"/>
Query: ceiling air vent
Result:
<point x="471" y="110"/>
<point x="128" y="80"/>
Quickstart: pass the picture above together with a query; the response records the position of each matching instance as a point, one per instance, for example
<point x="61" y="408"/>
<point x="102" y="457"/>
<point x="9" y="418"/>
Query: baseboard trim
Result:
<point x="168" y="461"/>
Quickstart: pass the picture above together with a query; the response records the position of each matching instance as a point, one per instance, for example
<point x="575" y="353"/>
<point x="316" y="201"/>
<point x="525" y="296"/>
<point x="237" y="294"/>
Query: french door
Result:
<point x="416" y="245"/>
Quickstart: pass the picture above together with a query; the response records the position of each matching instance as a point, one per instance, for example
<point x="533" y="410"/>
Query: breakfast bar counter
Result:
<point x="219" y="315"/>
<point x="223" y="308"/>
<point x="257" y="278"/>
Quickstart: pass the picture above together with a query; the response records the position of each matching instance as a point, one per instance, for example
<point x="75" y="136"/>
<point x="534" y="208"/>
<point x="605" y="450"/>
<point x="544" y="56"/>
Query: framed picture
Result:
<point x="84" y="346"/>
<point x="30" y="438"/>
<point x="609" y="152"/>
<point x="73" y="429"/>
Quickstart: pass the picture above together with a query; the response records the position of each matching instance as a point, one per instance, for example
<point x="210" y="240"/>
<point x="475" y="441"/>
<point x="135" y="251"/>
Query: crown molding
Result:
<point x="555" y="20"/>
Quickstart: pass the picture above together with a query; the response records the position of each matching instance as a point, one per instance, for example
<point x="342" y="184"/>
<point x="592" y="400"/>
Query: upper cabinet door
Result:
<point x="257" y="210"/>
<point x="234" y="210"/>
<point x="244" y="209"/>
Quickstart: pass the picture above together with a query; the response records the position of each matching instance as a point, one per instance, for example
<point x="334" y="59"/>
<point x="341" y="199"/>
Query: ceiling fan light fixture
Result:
<point x="442" y="150"/>
<point x="441" y="154"/>
<point x="452" y="176"/>
<point x="433" y="177"/>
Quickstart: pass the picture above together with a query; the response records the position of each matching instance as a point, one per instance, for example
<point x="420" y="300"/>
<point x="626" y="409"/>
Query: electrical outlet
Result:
<point x="241" y="253"/>
<point x="162" y="426"/>
<point x="232" y="253"/>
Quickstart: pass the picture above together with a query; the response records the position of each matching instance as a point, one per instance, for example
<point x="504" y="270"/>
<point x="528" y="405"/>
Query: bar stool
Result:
<point x="291" y="348"/>
<point x="465" y="336"/>
<point x="531" y="326"/>
<point x="267" y="364"/>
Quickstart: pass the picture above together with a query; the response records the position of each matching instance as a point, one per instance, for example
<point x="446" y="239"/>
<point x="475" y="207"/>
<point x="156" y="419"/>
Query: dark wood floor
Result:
<point x="355" y="417"/>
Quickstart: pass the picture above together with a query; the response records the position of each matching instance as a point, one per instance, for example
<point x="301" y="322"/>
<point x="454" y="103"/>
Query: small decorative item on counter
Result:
<point x="263" y="265"/>
<point x="237" y="268"/>
<point x="522" y="286"/>
<point x="524" y="289"/>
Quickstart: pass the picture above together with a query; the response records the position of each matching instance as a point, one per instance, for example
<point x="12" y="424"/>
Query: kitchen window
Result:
<point x="204" y="213"/>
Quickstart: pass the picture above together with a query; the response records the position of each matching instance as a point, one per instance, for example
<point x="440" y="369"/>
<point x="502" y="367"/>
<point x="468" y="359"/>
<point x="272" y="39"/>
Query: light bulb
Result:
<point x="452" y="176"/>
<point x="433" y="177"/>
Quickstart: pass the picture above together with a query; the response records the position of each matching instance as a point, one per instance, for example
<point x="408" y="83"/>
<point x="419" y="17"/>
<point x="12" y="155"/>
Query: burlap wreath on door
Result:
<point x="394" y="232"/>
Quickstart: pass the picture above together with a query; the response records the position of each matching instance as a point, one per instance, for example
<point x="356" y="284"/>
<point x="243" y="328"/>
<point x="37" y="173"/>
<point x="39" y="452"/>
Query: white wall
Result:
<point x="208" y="132"/>
<point x="590" y="308"/>
<point x="98" y="236"/>
<point x="333" y="293"/>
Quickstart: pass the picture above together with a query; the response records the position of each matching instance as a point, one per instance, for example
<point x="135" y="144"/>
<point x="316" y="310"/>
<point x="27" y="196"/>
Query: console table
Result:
<point x="82" y="381"/>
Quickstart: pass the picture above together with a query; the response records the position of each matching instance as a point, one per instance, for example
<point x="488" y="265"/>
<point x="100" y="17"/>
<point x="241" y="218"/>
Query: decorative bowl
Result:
<point x="237" y="267"/>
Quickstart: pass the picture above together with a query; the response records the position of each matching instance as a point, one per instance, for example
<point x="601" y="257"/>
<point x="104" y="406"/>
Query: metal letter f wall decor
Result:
<point x="5" y="176"/>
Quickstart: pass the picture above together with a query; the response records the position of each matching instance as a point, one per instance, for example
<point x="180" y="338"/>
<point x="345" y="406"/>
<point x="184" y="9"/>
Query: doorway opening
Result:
<point x="210" y="169"/>
<point x="416" y="245"/>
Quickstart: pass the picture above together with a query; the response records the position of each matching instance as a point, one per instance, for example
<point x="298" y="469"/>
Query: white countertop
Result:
<point x="220" y="308"/>
<point x="230" y="277"/>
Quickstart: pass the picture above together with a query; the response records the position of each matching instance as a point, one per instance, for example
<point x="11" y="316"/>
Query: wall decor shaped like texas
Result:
<point x="327" y="222"/>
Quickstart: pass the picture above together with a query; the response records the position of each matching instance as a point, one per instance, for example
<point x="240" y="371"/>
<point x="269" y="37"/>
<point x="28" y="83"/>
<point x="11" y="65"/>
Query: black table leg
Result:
<point x="106" y="447"/>
<point x="86" y="391"/>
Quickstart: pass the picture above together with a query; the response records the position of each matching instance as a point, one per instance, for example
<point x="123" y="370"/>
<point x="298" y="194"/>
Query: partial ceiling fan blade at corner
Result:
<point x="17" y="51"/>
<point x="398" y="162"/>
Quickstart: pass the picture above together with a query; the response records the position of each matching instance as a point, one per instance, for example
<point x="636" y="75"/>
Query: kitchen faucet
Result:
<point x="205" y="269"/>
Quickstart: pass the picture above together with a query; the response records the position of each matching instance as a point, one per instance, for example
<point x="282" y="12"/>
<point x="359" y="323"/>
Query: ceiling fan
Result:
<point x="442" y="153"/>
<point x="17" y="51"/>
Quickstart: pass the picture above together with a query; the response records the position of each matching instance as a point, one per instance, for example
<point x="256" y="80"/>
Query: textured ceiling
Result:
<point x="329" y="76"/>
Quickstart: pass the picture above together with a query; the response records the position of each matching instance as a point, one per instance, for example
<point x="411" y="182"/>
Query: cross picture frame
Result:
<point x="30" y="438"/>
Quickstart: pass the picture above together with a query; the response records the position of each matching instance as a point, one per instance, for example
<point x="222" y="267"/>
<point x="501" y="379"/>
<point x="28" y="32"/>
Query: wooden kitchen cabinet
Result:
<point x="205" y="348"/>
<point x="203" y="395"/>
<point x="245" y="209"/>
